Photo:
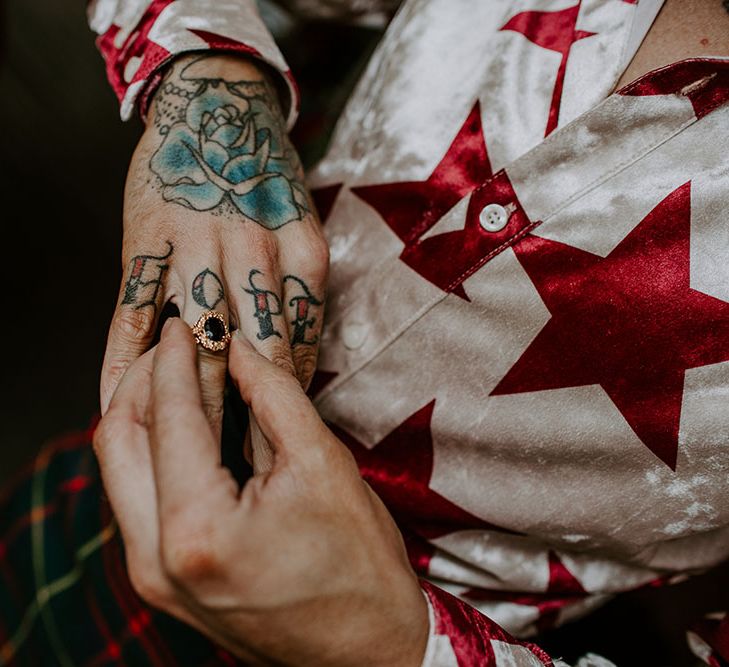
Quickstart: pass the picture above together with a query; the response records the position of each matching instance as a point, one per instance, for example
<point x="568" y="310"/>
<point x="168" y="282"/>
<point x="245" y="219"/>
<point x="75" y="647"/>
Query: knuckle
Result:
<point x="109" y="429"/>
<point x="332" y="451"/>
<point x="189" y="554"/>
<point x="189" y="562"/>
<point x="213" y="411"/>
<point x="148" y="583"/>
<point x="257" y="397"/>
<point x="135" y="324"/>
<point x="281" y="357"/>
<point x="320" y="254"/>
<point x="264" y="247"/>
<point x="311" y="257"/>
<point x="305" y="362"/>
<point x="267" y="392"/>
<point x="114" y="369"/>
<point x="102" y="435"/>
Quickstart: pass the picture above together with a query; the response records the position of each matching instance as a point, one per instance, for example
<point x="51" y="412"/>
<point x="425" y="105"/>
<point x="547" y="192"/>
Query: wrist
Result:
<point x="182" y="79"/>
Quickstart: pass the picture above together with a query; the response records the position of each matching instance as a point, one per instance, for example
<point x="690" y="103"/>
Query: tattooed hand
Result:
<point x="217" y="217"/>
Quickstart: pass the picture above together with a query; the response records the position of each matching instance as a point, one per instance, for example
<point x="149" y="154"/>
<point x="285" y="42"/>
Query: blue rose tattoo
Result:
<point x="227" y="143"/>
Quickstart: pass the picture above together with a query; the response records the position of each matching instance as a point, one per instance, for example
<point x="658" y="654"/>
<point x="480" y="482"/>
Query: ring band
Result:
<point x="211" y="331"/>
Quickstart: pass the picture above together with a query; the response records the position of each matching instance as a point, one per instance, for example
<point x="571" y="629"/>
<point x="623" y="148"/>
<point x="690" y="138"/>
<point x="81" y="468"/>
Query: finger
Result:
<point x="261" y="316"/>
<point x="261" y="452"/>
<point x="205" y="293"/>
<point x="283" y="412"/>
<point x="122" y="448"/>
<point x="304" y="308"/>
<point x="256" y="299"/>
<point x="135" y="319"/>
<point x="185" y="453"/>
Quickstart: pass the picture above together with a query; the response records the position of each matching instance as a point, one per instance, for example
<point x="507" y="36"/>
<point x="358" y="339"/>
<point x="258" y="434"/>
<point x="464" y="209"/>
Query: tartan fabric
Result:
<point x="65" y="598"/>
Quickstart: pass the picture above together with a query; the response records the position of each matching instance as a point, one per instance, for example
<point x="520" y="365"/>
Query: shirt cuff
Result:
<point x="138" y="38"/>
<point x="461" y="635"/>
<point x="430" y="649"/>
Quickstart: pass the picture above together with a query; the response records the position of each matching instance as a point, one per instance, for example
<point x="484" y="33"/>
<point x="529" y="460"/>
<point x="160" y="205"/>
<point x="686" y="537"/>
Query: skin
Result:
<point x="221" y="559"/>
<point x="683" y="29"/>
<point x="196" y="253"/>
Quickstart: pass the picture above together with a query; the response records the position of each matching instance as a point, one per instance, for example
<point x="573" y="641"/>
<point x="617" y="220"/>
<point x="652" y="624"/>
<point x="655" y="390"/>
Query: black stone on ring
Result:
<point x="211" y="331"/>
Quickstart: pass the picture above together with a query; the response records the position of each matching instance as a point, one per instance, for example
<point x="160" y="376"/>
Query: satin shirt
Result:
<point x="527" y="335"/>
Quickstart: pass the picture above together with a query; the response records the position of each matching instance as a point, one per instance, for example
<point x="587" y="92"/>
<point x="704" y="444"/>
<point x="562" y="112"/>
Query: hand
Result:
<point x="216" y="216"/>
<point x="303" y="567"/>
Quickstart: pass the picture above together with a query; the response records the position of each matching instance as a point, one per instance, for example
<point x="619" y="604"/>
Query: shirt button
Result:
<point x="354" y="335"/>
<point x="493" y="217"/>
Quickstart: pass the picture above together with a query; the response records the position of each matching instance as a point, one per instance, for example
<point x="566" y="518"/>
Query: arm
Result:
<point x="304" y="565"/>
<point x="216" y="213"/>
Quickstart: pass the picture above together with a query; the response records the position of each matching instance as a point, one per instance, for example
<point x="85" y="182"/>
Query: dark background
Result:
<point x="63" y="159"/>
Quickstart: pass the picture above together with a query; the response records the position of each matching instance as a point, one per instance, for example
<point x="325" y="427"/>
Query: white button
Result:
<point x="354" y="335"/>
<point x="493" y="218"/>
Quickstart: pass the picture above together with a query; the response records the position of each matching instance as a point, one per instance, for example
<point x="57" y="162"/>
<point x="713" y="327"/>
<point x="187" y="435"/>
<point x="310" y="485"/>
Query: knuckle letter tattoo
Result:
<point x="262" y="299"/>
<point x="301" y="303"/>
<point x="207" y="290"/>
<point x="225" y="149"/>
<point x="267" y="305"/>
<point x="145" y="279"/>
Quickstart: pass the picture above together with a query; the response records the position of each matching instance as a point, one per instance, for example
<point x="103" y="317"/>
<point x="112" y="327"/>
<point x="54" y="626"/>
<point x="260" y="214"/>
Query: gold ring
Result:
<point x="211" y="331"/>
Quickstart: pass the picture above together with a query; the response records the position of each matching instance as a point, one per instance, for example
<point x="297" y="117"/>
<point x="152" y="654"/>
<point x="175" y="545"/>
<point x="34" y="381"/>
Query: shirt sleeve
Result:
<point x="460" y="636"/>
<point x="709" y="639"/>
<point x="138" y="37"/>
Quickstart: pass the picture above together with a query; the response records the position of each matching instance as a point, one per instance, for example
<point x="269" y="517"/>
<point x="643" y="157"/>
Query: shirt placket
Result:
<point x="497" y="214"/>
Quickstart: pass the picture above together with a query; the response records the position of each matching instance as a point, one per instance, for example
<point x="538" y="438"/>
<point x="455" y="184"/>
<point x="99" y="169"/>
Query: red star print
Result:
<point x="629" y="322"/>
<point x="411" y="208"/>
<point x="704" y="82"/>
<point x="399" y="469"/>
<point x="563" y="589"/>
<point x="137" y="44"/>
<point x="324" y="199"/>
<point x="555" y="31"/>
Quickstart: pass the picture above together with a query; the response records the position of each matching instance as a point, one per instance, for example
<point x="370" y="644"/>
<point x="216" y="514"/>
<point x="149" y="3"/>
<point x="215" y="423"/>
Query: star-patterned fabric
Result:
<point x="540" y="403"/>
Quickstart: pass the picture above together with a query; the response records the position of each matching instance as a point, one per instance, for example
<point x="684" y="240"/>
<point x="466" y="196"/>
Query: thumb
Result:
<point x="283" y="412"/>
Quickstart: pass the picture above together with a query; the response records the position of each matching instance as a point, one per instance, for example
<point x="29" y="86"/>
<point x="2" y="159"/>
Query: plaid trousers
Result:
<point x="65" y="597"/>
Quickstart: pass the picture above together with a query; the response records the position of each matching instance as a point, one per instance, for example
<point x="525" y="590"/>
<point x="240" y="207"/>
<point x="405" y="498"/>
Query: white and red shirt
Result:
<point x="527" y="340"/>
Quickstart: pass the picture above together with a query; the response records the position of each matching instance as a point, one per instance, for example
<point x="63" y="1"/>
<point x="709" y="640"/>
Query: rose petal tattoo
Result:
<point x="207" y="290"/>
<point x="263" y="300"/>
<point x="145" y="279"/>
<point x="225" y="144"/>
<point x="301" y="304"/>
